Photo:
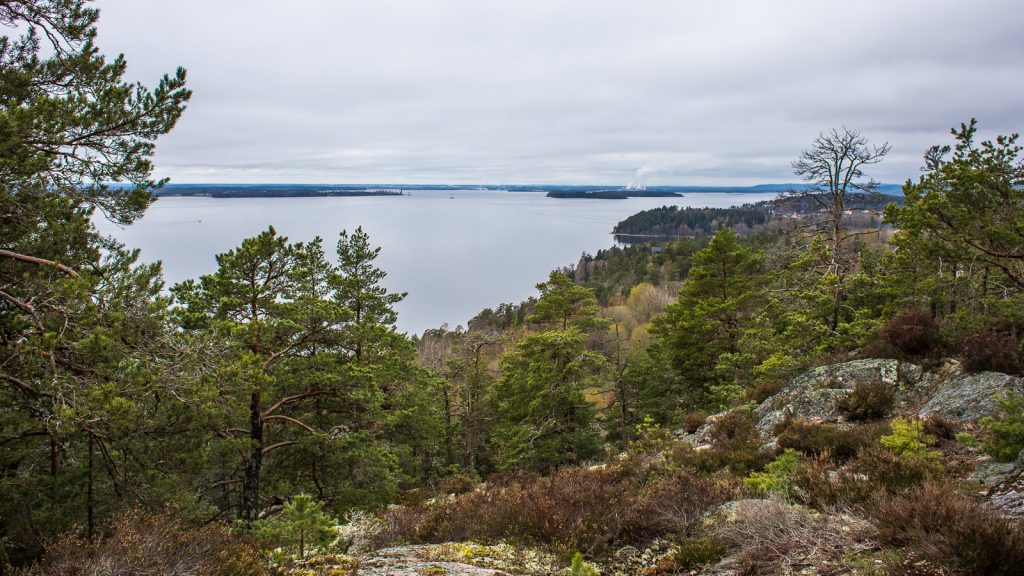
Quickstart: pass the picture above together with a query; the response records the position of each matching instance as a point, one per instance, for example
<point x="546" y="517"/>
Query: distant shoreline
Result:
<point x="279" y="190"/>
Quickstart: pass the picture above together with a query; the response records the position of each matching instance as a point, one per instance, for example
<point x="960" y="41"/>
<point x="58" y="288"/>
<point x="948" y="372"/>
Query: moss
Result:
<point x="502" y="557"/>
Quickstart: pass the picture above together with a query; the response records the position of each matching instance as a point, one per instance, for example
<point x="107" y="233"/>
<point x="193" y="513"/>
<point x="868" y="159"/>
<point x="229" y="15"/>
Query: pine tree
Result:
<point x="544" y="417"/>
<point x="564" y="304"/>
<point x="707" y="320"/>
<point x="267" y="301"/>
<point x="81" y="326"/>
<point x="961" y="242"/>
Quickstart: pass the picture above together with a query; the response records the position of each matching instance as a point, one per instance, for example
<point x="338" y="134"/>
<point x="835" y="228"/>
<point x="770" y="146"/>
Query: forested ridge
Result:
<point x="786" y="211"/>
<point x="814" y="396"/>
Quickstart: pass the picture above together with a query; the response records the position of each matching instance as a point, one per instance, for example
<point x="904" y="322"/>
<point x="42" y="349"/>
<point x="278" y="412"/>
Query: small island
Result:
<point x="276" y="190"/>
<point x="620" y="194"/>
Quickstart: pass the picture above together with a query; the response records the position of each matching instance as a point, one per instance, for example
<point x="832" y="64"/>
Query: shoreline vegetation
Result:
<point x="280" y="190"/>
<point x="862" y="212"/>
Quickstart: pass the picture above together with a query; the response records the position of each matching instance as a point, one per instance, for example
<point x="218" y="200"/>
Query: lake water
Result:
<point x="454" y="256"/>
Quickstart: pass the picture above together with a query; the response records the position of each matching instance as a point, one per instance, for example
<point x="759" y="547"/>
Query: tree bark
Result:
<point x="251" y="480"/>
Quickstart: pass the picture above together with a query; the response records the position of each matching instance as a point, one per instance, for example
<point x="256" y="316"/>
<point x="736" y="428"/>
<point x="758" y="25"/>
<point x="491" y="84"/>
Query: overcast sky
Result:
<point x="563" y="91"/>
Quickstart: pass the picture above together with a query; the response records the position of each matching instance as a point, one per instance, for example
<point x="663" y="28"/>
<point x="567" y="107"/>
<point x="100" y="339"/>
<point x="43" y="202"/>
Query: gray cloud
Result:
<point x="571" y="91"/>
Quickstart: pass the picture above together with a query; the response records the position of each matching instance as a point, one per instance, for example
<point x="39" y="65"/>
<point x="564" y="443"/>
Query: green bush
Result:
<point x="302" y="526"/>
<point x="776" y="475"/>
<point x="1004" y="432"/>
<point x="580" y="567"/>
<point x="699" y="551"/>
<point x="909" y="440"/>
<point x="967" y="439"/>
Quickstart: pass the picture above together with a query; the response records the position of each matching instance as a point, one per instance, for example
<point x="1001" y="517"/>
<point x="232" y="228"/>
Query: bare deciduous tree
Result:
<point x="834" y="169"/>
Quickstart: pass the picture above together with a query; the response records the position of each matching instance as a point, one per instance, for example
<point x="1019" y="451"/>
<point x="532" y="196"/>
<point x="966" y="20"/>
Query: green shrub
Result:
<point x="301" y="525"/>
<point x="698" y="551"/>
<point x="1004" y="432"/>
<point x="580" y="567"/>
<point x="967" y="439"/>
<point x="868" y="401"/>
<point x="909" y="440"/>
<point x="775" y="477"/>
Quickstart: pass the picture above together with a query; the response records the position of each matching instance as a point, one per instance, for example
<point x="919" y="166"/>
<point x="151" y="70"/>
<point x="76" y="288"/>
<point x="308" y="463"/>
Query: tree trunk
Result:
<point x="90" y="517"/>
<point x="251" y="480"/>
<point x="837" y="297"/>
<point x="448" y="444"/>
<point x="53" y="457"/>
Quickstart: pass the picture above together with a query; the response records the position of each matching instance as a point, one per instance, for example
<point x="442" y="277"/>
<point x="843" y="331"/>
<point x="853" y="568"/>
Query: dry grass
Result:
<point x="775" y="537"/>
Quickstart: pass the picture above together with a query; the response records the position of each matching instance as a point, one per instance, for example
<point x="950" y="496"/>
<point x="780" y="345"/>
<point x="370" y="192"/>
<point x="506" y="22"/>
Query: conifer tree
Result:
<point x="81" y="326"/>
<point x="961" y="238"/>
<point x="544" y="418"/>
<point x="707" y="321"/>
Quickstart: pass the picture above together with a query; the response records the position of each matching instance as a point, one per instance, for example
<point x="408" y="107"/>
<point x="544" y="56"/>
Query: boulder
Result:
<point x="815" y="394"/>
<point x="969" y="397"/>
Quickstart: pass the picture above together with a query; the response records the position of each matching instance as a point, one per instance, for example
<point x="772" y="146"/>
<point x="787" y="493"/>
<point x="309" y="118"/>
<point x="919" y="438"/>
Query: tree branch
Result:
<point x="39" y="261"/>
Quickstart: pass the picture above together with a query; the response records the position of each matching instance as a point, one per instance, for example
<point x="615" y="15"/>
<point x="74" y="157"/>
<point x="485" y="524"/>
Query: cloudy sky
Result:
<point x="692" y="92"/>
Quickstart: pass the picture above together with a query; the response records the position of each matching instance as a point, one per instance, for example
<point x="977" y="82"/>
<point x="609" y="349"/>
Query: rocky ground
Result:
<point x="941" y="389"/>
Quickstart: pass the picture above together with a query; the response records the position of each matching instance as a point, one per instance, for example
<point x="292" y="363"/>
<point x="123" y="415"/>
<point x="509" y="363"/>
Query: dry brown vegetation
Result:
<point x="774" y="537"/>
<point x="991" y="350"/>
<point x="868" y="401"/>
<point x="912" y="332"/>
<point x="141" y="544"/>
<point x="818" y="439"/>
<point x="939" y="526"/>
<point x="587" y="509"/>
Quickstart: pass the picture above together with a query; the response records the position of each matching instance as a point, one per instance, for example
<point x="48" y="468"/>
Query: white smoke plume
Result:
<point x="639" y="181"/>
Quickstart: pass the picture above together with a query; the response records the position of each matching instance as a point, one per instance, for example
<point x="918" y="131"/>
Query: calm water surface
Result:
<point x="454" y="256"/>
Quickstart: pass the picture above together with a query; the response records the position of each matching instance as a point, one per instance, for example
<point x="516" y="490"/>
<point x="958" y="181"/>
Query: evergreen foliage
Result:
<point x="544" y="418"/>
<point x="716" y="304"/>
<point x="1004" y="432"/>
